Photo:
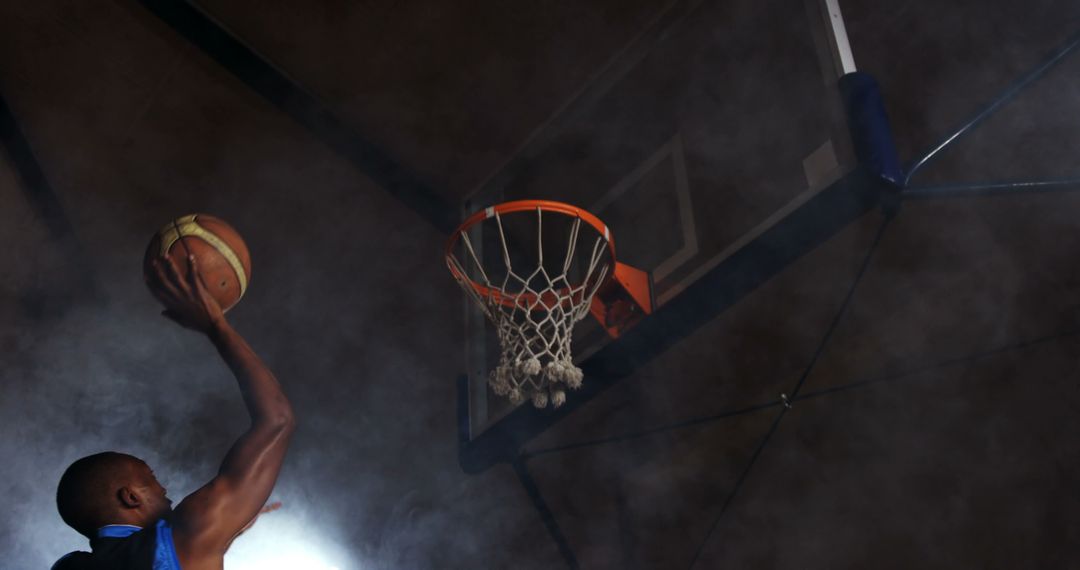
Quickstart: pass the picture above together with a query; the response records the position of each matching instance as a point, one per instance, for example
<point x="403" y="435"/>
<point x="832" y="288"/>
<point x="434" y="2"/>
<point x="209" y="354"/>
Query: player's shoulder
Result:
<point x="77" y="560"/>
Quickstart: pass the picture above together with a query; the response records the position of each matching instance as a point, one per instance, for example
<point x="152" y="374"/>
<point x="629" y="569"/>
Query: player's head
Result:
<point x="110" y="488"/>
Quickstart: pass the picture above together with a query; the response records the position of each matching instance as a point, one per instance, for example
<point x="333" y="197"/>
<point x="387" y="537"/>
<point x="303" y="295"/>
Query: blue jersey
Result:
<point x="126" y="547"/>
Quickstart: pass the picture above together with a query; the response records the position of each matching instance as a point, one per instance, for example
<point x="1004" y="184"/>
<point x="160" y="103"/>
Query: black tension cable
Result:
<point x="795" y="391"/>
<point x="784" y="399"/>
<point x="840" y="313"/>
<point x="948" y="362"/>
<point x="888" y="378"/>
<point x="655" y="430"/>
<point x="546" y="516"/>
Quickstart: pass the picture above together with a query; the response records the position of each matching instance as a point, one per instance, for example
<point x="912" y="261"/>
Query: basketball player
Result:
<point x="115" y="500"/>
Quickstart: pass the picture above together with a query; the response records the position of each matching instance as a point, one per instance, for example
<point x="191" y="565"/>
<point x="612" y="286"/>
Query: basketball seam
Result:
<point x="187" y="226"/>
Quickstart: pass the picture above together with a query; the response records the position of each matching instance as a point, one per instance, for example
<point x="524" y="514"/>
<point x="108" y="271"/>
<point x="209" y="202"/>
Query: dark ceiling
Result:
<point x="937" y="427"/>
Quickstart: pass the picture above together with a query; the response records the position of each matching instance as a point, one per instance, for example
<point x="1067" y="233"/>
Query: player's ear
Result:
<point x="129" y="498"/>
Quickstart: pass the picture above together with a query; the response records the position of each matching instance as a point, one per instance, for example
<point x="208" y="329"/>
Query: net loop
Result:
<point x="533" y="310"/>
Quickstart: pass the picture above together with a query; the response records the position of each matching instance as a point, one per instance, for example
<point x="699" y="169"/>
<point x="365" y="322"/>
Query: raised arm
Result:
<point x="205" y="522"/>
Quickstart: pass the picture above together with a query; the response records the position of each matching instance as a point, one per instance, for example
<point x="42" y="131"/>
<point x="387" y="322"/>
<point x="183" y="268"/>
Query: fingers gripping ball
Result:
<point x="222" y="257"/>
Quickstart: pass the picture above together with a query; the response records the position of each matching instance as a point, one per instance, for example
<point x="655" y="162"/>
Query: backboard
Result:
<point x="698" y="138"/>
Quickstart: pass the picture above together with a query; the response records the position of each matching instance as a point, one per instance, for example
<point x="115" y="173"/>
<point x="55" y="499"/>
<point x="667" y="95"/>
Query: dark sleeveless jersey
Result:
<point x="126" y="547"/>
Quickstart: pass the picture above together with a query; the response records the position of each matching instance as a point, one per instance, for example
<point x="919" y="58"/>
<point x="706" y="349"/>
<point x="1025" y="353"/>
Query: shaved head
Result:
<point x="87" y="496"/>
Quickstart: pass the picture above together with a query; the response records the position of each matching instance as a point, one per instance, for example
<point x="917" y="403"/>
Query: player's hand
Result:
<point x="186" y="300"/>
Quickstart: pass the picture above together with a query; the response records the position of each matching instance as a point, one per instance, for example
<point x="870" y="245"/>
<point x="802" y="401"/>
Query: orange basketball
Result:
<point x="221" y="255"/>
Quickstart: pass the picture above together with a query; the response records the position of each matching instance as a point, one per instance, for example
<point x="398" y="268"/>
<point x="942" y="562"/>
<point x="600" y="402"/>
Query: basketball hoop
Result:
<point x="534" y="301"/>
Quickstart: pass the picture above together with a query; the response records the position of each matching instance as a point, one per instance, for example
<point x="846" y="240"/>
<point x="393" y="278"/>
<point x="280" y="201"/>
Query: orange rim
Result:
<point x="500" y="296"/>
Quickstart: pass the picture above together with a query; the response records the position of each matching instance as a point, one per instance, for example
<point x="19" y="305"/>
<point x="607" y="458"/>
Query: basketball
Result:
<point x="221" y="255"/>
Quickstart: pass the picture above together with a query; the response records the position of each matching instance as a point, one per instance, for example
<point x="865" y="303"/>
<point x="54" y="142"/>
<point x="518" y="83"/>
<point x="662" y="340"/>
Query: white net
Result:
<point x="534" y="309"/>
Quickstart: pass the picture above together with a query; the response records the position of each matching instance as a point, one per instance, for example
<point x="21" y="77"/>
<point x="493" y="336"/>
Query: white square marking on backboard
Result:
<point x="821" y="166"/>
<point x="687" y="229"/>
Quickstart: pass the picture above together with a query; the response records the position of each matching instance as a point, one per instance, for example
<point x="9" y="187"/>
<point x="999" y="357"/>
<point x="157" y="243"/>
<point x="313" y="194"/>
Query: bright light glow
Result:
<point x="291" y="561"/>
<point x="282" y="541"/>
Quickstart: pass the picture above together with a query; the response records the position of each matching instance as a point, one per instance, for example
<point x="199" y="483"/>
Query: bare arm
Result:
<point x="205" y="522"/>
